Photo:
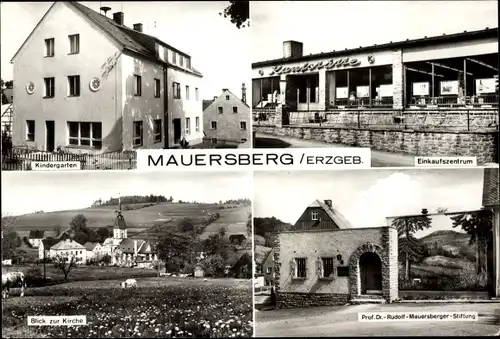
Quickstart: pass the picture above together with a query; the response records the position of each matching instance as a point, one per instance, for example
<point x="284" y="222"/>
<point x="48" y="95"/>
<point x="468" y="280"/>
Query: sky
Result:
<point x="332" y="25"/>
<point x="219" y="50"/>
<point x="27" y="192"/>
<point x="367" y="197"/>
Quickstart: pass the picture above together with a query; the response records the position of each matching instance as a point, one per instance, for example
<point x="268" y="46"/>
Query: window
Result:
<point x="157" y="88"/>
<point x="235" y="109"/>
<point x="74" y="44"/>
<point x="188" y="126"/>
<point x="174" y="57"/>
<point x="30" y="130"/>
<point x="243" y="140"/>
<point x="181" y="61"/>
<point x="269" y="270"/>
<point x="220" y="110"/>
<point x="243" y="125"/>
<point x="301" y="267"/>
<point x="157" y="130"/>
<point x="137" y="85"/>
<point x="137" y="133"/>
<point x="327" y="267"/>
<point x="188" y="63"/>
<point x="187" y="92"/>
<point x="214" y="140"/>
<point x="49" y="47"/>
<point x="197" y="124"/>
<point x="196" y="94"/>
<point x="74" y="85"/>
<point x="213" y="125"/>
<point x="227" y="97"/>
<point x="343" y="271"/>
<point x="49" y="87"/>
<point x="88" y="134"/>
<point x="314" y="216"/>
<point x="177" y="90"/>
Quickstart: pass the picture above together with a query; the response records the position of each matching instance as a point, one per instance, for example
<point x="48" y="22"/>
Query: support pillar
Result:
<point x="322" y="104"/>
<point x="397" y="79"/>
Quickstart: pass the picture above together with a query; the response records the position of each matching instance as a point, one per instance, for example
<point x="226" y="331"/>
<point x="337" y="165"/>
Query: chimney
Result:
<point x="243" y="93"/>
<point x="215" y="98"/>
<point x="224" y="90"/>
<point x="119" y="18"/>
<point x="292" y="49"/>
<point x="135" y="248"/>
<point x="328" y="203"/>
<point x="138" y="27"/>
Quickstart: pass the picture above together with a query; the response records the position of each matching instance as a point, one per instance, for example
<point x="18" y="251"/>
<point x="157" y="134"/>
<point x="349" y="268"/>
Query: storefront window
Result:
<point x="265" y="92"/>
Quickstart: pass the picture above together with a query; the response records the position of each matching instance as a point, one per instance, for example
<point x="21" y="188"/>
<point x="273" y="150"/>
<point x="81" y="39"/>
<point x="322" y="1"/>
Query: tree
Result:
<point x="216" y="244"/>
<point x="186" y="225"/>
<point x="213" y="265"/>
<point x="105" y="259"/>
<point x="78" y="223"/>
<point x="8" y="223"/>
<point x="103" y="233"/>
<point x="479" y="226"/>
<point x="174" y="249"/>
<point x="64" y="264"/>
<point x="249" y="224"/>
<point x="10" y="242"/>
<point x="410" y="248"/>
<point x="238" y="12"/>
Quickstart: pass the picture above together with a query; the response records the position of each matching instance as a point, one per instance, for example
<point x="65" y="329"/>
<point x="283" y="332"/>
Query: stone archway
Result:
<point x="369" y="271"/>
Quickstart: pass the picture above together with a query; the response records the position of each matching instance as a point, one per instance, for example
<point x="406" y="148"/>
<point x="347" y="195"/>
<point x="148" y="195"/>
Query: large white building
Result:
<point x="86" y="82"/>
<point x="69" y="249"/>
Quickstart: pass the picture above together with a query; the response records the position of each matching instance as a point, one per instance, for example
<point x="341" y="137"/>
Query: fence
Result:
<point x="264" y="117"/>
<point x="21" y="158"/>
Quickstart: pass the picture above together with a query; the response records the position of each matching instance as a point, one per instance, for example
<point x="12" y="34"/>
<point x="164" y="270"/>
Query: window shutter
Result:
<point x="319" y="267"/>
<point x="293" y="268"/>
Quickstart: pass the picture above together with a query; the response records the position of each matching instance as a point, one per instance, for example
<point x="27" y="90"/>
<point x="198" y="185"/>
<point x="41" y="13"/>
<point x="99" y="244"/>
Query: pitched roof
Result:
<point x="261" y="253"/>
<point x="49" y="242"/>
<point x="68" y="245"/>
<point x="131" y="40"/>
<point x="90" y="245"/>
<point x="36" y="234"/>
<point x="333" y="213"/>
<point x="235" y="256"/>
<point x="207" y="103"/>
<point x="127" y="245"/>
<point x="490" y="187"/>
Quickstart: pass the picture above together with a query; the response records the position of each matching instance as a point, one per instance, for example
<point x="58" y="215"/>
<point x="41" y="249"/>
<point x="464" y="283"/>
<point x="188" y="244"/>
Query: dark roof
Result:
<point x="237" y="236"/>
<point x="120" y="222"/>
<point x="333" y="213"/>
<point x="37" y="234"/>
<point x="90" y="245"/>
<point x="131" y="40"/>
<point x="207" y="103"/>
<point x="445" y="38"/>
<point x="127" y="245"/>
<point x="49" y="242"/>
<point x="235" y="256"/>
<point x="490" y="187"/>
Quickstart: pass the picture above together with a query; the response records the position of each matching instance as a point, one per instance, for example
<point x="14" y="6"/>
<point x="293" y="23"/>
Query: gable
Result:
<point x="220" y="101"/>
<point x="320" y="216"/>
<point x="61" y="14"/>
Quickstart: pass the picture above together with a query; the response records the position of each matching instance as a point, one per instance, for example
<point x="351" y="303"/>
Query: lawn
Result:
<point x="176" y="308"/>
<point x="86" y="272"/>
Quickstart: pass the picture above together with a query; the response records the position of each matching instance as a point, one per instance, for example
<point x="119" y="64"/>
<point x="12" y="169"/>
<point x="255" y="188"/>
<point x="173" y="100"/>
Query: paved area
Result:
<point x="379" y="158"/>
<point x="343" y="321"/>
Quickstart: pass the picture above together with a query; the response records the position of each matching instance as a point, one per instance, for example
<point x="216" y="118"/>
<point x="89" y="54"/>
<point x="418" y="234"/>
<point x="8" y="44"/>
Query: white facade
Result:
<point x="69" y="249"/>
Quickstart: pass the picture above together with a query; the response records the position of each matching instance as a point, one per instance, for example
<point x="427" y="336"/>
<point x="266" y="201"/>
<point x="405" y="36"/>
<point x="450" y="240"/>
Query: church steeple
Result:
<point x="120" y="226"/>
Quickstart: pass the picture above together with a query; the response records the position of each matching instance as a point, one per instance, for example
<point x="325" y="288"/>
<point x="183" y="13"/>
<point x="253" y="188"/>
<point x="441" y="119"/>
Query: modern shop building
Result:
<point x="448" y="71"/>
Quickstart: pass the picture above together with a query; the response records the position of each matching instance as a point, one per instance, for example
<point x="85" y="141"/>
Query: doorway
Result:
<point x="370" y="267"/>
<point x="50" y="135"/>
<point x="177" y="130"/>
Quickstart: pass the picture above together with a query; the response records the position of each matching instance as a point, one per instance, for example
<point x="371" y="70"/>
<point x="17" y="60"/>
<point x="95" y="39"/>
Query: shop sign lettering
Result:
<point x="308" y="67"/>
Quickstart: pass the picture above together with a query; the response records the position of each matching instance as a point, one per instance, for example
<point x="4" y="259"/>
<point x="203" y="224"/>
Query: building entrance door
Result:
<point x="370" y="267"/>
<point x="177" y="131"/>
<point x="50" y="135"/>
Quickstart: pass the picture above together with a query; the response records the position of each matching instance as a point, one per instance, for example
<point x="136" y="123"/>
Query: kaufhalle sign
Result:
<point x="309" y="67"/>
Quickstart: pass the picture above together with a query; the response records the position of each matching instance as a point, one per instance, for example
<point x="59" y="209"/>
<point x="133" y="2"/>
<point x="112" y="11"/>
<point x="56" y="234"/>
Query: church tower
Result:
<point x="120" y="226"/>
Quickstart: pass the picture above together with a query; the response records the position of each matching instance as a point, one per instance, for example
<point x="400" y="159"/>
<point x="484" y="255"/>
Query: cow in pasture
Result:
<point x="129" y="283"/>
<point x="13" y="279"/>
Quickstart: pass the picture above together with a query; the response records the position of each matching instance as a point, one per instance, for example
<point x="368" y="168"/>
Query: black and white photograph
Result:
<point x="135" y="254"/>
<point x="330" y="245"/>
<point x="95" y="81"/>
<point x="404" y="78"/>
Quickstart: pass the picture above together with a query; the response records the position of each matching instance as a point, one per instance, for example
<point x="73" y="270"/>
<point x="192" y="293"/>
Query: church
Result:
<point x="125" y="251"/>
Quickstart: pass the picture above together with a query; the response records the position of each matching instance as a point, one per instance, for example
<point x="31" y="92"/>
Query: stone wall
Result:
<point x="482" y="145"/>
<point x="350" y="244"/>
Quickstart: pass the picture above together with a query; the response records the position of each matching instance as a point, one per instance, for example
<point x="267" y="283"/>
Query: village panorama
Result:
<point x="129" y="265"/>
